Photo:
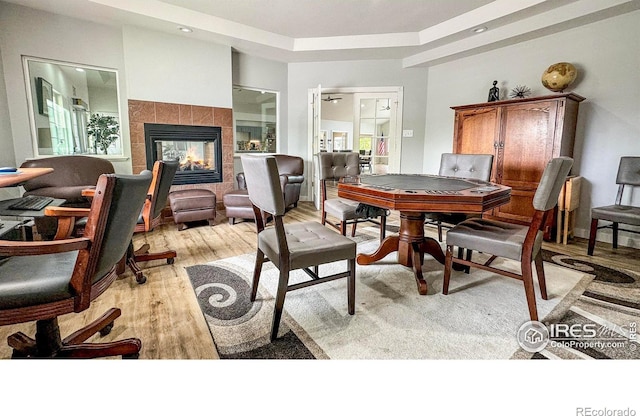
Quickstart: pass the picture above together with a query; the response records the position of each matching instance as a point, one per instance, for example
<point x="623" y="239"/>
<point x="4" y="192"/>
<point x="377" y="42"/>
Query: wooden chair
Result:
<point x="294" y="246"/>
<point x="163" y="173"/>
<point x="619" y="213"/>
<point x="513" y="241"/>
<point x="467" y="166"/>
<point x="334" y="166"/>
<point x="45" y="279"/>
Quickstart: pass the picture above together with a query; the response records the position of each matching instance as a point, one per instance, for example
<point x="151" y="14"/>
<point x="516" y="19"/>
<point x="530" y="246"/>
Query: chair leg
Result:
<point x="592" y="236"/>
<point x="527" y="278"/>
<point x="383" y="226"/>
<point x="353" y="228"/>
<point x="283" y="282"/>
<point x="343" y="228"/>
<point x="256" y="274"/>
<point x="541" y="278"/>
<point x="351" y="287"/>
<point x="439" y="231"/>
<point x="614" y="227"/>
<point x="448" y="263"/>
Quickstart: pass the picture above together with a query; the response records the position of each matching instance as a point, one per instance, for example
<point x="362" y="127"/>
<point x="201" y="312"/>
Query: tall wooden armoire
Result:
<point x="523" y="135"/>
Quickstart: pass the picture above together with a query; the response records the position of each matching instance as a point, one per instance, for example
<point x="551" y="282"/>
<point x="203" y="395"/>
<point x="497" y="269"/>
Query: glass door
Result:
<point x="376" y="136"/>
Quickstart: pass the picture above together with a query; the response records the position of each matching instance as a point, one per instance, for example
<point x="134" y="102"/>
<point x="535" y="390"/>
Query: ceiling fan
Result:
<point x="332" y="100"/>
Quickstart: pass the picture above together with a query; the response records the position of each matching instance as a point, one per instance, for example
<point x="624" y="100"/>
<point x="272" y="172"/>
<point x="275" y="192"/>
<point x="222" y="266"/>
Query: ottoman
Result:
<point x="238" y="205"/>
<point x="191" y="205"/>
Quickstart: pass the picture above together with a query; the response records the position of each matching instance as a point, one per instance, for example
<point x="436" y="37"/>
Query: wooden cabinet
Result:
<point x="523" y="135"/>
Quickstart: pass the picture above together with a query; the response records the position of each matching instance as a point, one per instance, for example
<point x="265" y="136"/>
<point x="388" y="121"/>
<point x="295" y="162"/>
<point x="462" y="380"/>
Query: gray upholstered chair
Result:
<point x="46" y="279"/>
<point x="513" y="241"/>
<point x="300" y="245"/>
<point x="334" y="166"/>
<point x="467" y="166"/>
<point x="618" y="213"/>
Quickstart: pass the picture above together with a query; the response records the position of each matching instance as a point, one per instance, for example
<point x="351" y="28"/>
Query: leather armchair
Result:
<point x="71" y="175"/>
<point x="291" y="169"/>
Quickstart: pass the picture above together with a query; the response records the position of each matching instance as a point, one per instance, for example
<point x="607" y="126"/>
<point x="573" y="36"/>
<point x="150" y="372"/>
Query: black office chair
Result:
<point x="45" y="279"/>
<point x="300" y="245"/>
<point x="618" y="213"/>
<point x="513" y="241"/>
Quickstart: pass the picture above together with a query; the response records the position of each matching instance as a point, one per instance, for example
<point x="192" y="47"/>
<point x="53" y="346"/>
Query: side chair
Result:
<point x="300" y="245"/>
<point x="466" y="166"/>
<point x="512" y="241"/>
<point x="333" y="166"/>
<point x="618" y="213"/>
<point x="46" y="279"/>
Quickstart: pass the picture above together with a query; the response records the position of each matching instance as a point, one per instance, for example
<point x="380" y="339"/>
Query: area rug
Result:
<point x="479" y="318"/>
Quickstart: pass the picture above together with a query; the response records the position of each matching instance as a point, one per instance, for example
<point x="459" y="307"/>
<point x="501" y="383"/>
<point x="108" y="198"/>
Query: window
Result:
<point x="256" y="120"/>
<point x="65" y="98"/>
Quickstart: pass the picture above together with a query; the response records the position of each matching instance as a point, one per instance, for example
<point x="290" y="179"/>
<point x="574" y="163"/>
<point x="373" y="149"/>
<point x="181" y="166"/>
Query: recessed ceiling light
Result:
<point x="479" y="29"/>
<point x="79" y="69"/>
<point x="185" y="29"/>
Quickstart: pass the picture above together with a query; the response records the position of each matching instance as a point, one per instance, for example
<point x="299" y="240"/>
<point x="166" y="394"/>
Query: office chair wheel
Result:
<point x="140" y="278"/>
<point x="106" y="330"/>
<point x="171" y="260"/>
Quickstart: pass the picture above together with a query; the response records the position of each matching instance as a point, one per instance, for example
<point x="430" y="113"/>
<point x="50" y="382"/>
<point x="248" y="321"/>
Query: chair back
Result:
<point x="118" y="201"/>
<point x="336" y="165"/>
<point x="551" y="183"/>
<point x="468" y="166"/>
<point x="162" y="181"/>
<point x="263" y="183"/>
<point x="629" y="171"/>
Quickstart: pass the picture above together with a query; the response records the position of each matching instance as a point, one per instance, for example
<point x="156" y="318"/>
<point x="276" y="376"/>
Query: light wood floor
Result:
<point x="164" y="313"/>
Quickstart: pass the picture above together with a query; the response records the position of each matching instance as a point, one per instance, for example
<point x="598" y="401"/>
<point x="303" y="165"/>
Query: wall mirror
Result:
<point x="74" y="109"/>
<point x="256" y="119"/>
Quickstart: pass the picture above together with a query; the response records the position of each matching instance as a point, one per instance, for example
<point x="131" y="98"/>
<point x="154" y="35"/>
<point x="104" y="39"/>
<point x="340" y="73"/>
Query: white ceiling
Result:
<point x="420" y="32"/>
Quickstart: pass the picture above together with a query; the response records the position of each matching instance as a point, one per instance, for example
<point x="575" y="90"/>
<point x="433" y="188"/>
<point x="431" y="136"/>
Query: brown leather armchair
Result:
<point x="291" y="170"/>
<point x="71" y="175"/>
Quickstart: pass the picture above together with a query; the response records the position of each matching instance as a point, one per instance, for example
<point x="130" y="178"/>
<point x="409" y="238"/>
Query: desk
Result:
<point x="25" y="215"/>
<point x="22" y="175"/>
<point x="413" y="196"/>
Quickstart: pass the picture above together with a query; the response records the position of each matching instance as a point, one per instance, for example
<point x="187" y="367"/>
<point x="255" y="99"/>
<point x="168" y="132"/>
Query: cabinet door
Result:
<point x="525" y="146"/>
<point x="476" y="132"/>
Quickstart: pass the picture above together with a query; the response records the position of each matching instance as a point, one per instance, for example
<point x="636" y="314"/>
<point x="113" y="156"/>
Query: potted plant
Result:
<point x="104" y="129"/>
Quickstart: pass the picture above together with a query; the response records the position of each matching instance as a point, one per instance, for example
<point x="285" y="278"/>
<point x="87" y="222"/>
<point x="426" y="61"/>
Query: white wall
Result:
<point x="607" y="56"/>
<point x="176" y="69"/>
<point x="30" y="32"/>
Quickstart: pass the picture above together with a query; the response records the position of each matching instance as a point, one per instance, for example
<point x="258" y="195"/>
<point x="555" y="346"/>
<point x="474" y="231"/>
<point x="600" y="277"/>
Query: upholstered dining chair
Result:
<point x="300" y="245"/>
<point x="512" y="241"/>
<point x="618" y="213"/>
<point x="333" y="166"/>
<point x="467" y="166"/>
<point x="42" y="280"/>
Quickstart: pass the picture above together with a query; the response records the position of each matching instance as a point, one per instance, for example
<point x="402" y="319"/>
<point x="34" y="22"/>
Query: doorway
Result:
<point x="367" y="120"/>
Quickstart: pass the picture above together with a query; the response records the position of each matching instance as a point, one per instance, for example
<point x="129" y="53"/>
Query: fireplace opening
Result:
<point x="198" y="149"/>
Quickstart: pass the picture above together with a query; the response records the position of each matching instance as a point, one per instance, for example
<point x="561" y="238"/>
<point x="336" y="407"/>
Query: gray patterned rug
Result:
<point x="479" y="319"/>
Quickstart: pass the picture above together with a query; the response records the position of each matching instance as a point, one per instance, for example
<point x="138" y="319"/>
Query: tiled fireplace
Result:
<point x="150" y="112"/>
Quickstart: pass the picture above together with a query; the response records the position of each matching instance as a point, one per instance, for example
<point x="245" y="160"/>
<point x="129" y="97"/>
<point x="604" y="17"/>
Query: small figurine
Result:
<point x="494" y="92"/>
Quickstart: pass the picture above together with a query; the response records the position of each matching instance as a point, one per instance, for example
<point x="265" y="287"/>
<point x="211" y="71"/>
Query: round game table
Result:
<point x="413" y="196"/>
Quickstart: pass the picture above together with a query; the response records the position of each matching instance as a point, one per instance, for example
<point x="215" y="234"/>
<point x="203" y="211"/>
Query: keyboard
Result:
<point x="31" y="203"/>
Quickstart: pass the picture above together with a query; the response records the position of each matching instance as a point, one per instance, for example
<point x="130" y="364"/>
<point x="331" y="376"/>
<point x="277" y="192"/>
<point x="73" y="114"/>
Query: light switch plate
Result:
<point x="407" y="133"/>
